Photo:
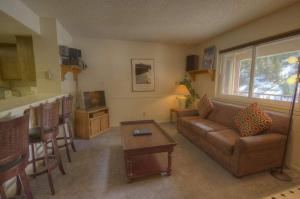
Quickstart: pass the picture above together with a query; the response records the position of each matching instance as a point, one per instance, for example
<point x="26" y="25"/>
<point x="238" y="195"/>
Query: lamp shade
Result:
<point x="181" y="90"/>
<point x="293" y="60"/>
<point x="292" y="79"/>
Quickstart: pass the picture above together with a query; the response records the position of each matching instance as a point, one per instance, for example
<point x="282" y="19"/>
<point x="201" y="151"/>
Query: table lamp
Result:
<point x="294" y="79"/>
<point x="181" y="91"/>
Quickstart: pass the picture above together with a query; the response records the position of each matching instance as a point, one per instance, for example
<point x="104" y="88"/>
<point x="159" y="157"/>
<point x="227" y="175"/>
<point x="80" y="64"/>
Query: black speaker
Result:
<point x="65" y="60"/>
<point x="64" y="51"/>
<point x="73" y="53"/>
<point x="192" y="62"/>
<point x="78" y="53"/>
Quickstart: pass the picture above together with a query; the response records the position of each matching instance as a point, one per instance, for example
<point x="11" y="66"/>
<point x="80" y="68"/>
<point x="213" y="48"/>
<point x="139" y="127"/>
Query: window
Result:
<point x="270" y="76"/>
<point x="236" y="70"/>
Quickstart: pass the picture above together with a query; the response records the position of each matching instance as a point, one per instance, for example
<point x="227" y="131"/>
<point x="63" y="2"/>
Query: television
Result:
<point x="94" y="99"/>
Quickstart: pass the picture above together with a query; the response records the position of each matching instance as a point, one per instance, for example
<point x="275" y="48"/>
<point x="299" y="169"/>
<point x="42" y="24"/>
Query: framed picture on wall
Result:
<point x="209" y="57"/>
<point x="142" y="75"/>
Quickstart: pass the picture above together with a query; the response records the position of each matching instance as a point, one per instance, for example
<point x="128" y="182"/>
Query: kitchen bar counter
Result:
<point x="15" y="106"/>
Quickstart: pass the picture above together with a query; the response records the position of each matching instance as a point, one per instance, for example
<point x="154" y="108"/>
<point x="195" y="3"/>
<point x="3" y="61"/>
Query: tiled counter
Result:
<point x="15" y="106"/>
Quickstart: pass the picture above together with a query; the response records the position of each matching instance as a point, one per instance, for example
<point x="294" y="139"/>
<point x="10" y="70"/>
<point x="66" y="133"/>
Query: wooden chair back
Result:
<point x="14" y="139"/>
<point x="46" y="115"/>
<point x="67" y="106"/>
<point x="49" y="115"/>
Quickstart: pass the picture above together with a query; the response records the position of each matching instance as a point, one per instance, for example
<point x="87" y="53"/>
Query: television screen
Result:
<point x="94" y="99"/>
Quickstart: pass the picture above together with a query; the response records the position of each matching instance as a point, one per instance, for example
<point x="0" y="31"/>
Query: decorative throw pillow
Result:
<point x="252" y="120"/>
<point x="205" y="106"/>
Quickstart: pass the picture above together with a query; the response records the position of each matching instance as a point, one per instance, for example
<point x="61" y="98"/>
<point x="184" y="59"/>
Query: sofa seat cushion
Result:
<point x="202" y="126"/>
<point x="224" y="140"/>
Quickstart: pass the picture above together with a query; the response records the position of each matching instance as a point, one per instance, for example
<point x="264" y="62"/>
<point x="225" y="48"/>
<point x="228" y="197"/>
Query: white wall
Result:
<point x="63" y="36"/>
<point x="68" y="86"/>
<point x="46" y="57"/>
<point x="109" y="68"/>
<point x="279" y="22"/>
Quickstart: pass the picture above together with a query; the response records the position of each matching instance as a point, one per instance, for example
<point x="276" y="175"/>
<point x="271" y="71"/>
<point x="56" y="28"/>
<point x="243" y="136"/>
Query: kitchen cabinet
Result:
<point x="9" y="62"/>
<point x="17" y="60"/>
<point x="26" y="58"/>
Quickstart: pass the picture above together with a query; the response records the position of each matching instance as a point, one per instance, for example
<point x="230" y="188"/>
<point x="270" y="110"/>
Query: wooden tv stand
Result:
<point x="92" y="122"/>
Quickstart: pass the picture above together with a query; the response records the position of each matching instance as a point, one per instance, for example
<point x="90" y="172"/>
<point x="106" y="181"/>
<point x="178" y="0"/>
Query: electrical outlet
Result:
<point x="144" y="114"/>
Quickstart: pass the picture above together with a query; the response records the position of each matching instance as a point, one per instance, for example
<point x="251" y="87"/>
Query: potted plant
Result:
<point x="193" y="96"/>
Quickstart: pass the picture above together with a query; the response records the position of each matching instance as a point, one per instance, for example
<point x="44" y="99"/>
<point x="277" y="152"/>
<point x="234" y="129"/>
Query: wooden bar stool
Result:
<point x="47" y="116"/>
<point x="65" y="120"/>
<point x="14" y="152"/>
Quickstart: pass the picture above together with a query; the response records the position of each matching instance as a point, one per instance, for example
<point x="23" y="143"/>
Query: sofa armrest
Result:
<point x="187" y="112"/>
<point x="261" y="142"/>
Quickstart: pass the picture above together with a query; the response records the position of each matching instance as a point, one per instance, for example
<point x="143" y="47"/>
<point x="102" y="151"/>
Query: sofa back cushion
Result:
<point x="224" y="113"/>
<point x="204" y="107"/>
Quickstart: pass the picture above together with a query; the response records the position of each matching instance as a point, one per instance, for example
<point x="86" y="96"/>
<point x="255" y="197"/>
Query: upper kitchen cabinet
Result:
<point x="17" y="60"/>
<point x="26" y="57"/>
<point x="9" y="63"/>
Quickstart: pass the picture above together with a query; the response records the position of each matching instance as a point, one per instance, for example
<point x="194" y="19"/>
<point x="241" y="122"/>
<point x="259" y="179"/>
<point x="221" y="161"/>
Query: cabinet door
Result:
<point x="95" y="126"/>
<point x="10" y="68"/>
<point x="104" y="122"/>
<point x="26" y="57"/>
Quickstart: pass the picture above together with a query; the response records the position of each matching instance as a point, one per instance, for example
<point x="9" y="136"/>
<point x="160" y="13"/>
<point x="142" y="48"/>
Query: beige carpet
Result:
<point x="97" y="172"/>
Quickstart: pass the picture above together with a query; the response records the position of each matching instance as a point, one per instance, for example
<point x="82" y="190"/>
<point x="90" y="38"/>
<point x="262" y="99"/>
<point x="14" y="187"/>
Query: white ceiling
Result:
<point x="171" y="21"/>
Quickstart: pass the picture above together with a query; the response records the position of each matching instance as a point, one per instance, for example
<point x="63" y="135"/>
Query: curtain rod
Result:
<point x="263" y="40"/>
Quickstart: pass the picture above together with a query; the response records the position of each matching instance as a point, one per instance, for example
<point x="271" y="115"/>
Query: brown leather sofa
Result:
<point x="218" y="136"/>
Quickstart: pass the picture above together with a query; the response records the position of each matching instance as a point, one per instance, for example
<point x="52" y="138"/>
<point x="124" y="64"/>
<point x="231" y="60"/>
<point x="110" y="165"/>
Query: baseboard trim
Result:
<point x="294" y="167"/>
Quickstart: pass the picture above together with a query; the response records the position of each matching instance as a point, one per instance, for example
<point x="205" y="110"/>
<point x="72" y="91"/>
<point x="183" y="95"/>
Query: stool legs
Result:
<point x="18" y="186"/>
<point x="71" y="135"/>
<point x="57" y="156"/>
<point x="46" y="158"/>
<point x="68" y="137"/>
<point x="66" y="142"/>
<point x="33" y="158"/>
<point x="25" y="184"/>
<point x="22" y="181"/>
<point x="2" y="192"/>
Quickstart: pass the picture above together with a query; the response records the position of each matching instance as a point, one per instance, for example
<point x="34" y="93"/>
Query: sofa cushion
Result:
<point x="223" y="113"/>
<point x="252" y="120"/>
<point x="204" y="107"/>
<point x="202" y="126"/>
<point x="186" y="121"/>
<point x="224" y="140"/>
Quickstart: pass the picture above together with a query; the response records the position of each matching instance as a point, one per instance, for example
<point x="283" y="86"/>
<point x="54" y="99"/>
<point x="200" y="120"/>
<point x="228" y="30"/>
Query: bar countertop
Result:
<point x="17" y="105"/>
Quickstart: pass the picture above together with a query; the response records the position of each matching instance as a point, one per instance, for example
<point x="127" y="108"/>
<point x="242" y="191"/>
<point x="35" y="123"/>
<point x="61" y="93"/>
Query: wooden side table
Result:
<point x="172" y="111"/>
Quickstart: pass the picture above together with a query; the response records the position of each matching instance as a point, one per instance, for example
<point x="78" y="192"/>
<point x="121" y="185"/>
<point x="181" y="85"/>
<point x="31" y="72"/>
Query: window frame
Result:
<point x="248" y="99"/>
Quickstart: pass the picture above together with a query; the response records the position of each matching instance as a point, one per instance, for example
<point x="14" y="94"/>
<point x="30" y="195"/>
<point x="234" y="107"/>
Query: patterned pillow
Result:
<point x="252" y="120"/>
<point x="204" y="107"/>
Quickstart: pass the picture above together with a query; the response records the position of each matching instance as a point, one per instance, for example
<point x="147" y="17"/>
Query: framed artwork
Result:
<point x="142" y="75"/>
<point x="208" y="57"/>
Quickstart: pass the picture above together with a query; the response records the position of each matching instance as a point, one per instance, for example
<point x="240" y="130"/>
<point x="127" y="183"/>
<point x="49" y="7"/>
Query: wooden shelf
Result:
<point x="194" y="73"/>
<point x="70" y="68"/>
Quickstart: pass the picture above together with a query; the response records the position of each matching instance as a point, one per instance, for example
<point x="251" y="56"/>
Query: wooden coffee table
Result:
<point x="140" y="151"/>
